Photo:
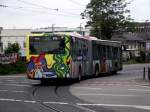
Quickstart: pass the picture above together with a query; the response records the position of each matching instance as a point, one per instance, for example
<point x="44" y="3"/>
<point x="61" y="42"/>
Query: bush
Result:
<point x="132" y="61"/>
<point x="12" y="48"/>
<point x="18" y="67"/>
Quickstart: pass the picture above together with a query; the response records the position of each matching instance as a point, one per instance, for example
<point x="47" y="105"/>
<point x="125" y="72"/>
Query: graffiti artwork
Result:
<point x="46" y="65"/>
<point x="8" y="58"/>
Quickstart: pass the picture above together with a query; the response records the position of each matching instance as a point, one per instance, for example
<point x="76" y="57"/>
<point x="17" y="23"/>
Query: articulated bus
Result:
<point x="70" y="56"/>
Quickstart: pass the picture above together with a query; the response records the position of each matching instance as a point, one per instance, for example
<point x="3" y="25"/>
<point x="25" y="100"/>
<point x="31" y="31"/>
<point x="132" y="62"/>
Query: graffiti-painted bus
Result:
<point x="70" y="56"/>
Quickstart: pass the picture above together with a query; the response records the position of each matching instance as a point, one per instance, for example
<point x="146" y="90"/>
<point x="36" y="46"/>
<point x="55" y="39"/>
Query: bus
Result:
<point x="70" y="56"/>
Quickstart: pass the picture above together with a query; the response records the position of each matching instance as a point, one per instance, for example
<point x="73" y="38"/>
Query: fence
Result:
<point x="8" y="58"/>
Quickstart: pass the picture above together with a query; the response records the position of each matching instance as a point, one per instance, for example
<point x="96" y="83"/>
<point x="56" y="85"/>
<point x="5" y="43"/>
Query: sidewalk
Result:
<point x="142" y="82"/>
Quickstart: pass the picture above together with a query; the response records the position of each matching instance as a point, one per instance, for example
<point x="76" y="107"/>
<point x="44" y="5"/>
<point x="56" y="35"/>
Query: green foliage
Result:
<point x="18" y="67"/>
<point x="12" y="48"/>
<point x="132" y="61"/>
<point x="105" y="16"/>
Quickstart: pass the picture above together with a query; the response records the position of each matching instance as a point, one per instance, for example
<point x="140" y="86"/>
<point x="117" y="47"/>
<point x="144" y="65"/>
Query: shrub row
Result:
<point x="18" y="67"/>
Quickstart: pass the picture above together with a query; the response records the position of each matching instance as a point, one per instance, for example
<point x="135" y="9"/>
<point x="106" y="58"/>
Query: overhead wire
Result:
<point x="37" y="11"/>
<point x="48" y="8"/>
<point x="75" y="2"/>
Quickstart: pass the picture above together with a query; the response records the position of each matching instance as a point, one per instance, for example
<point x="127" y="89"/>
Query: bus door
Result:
<point x="103" y="59"/>
<point x="85" y="63"/>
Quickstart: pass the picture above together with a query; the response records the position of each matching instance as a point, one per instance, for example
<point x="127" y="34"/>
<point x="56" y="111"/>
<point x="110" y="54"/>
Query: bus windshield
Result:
<point x="46" y="44"/>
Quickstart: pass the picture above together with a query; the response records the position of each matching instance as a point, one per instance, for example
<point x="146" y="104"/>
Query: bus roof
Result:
<point x="107" y="42"/>
<point x="58" y="33"/>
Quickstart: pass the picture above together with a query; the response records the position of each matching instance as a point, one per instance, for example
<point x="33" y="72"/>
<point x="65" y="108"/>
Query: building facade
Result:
<point x="14" y="36"/>
<point x="136" y="41"/>
<point x="1" y="28"/>
<point x="80" y="30"/>
<point x="18" y="35"/>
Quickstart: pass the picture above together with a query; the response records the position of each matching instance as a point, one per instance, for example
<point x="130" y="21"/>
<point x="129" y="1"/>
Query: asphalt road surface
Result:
<point x="124" y="92"/>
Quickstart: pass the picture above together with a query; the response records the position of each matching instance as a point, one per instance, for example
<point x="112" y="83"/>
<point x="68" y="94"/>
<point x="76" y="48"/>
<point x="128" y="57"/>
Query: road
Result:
<point x="124" y="92"/>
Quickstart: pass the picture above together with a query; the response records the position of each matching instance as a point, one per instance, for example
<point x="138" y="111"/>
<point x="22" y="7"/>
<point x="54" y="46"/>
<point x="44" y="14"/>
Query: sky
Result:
<point x="60" y="13"/>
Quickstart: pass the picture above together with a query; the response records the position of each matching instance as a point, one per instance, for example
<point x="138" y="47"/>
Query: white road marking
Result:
<point x="13" y="100"/>
<point x="143" y="86"/>
<point x="10" y="80"/>
<point x="27" y="101"/>
<point x="14" y="91"/>
<point x="24" y="82"/>
<point x="30" y="101"/>
<point x="61" y="103"/>
<point x="19" y="91"/>
<point x="17" y="85"/>
<point x="3" y="90"/>
<point x="140" y="90"/>
<point x="84" y="108"/>
<point x="82" y="104"/>
<point x="115" y="105"/>
<point x="93" y="94"/>
<point x="88" y="88"/>
<point x="18" y="100"/>
<point x="7" y="99"/>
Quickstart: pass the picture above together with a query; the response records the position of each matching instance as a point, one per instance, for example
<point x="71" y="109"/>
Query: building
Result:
<point x="80" y="30"/>
<point x="14" y="36"/>
<point x="19" y="35"/>
<point x="136" y="40"/>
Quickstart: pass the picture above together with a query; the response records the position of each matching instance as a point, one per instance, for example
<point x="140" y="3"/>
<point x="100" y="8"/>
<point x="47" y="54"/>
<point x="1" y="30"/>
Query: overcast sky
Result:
<point x="62" y="13"/>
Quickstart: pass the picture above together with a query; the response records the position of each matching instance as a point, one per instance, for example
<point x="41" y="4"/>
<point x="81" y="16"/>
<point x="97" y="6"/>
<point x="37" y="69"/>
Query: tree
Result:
<point x="106" y="16"/>
<point x="12" y="48"/>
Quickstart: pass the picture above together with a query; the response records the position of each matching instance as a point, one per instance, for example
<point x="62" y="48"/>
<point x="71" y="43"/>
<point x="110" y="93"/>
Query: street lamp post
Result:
<point x="81" y="28"/>
<point x="53" y="28"/>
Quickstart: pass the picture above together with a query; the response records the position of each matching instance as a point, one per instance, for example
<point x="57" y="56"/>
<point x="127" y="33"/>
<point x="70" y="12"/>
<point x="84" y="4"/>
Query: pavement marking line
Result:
<point x="10" y="80"/>
<point x="19" y="91"/>
<point x="140" y="90"/>
<point x="143" y="86"/>
<point x="17" y="85"/>
<point x="7" y="99"/>
<point x="84" y="108"/>
<point x="88" y="88"/>
<point x="61" y="103"/>
<point x="13" y="100"/>
<point x="14" y="91"/>
<point x="27" y="101"/>
<point x="3" y="90"/>
<point x="93" y="94"/>
<point x="115" y="105"/>
<point x="78" y="106"/>
<point x="18" y="100"/>
<point x="24" y="82"/>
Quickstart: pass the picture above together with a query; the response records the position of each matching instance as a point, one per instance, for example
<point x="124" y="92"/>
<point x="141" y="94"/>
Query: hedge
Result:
<point x="18" y="67"/>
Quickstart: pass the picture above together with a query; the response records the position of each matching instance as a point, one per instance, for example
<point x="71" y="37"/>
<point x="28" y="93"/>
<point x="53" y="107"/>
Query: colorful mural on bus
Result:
<point x="46" y="65"/>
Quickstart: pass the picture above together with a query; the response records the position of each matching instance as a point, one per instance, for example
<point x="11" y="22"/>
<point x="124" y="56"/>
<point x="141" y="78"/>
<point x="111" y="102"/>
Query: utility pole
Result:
<point x="53" y="28"/>
<point x="99" y="28"/>
<point x="81" y="29"/>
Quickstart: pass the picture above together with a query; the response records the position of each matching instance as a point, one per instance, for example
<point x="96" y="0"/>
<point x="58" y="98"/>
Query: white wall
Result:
<point x="19" y="40"/>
